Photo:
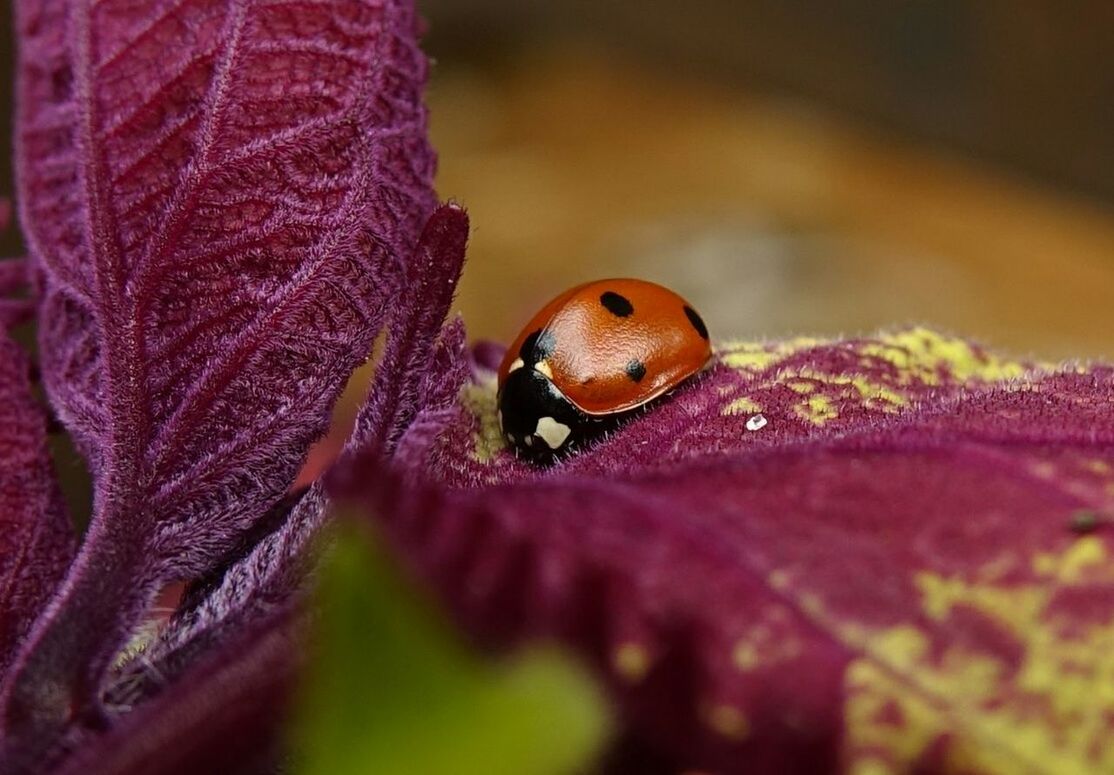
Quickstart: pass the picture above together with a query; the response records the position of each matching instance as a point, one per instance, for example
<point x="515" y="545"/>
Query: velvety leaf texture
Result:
<point x="223" y="718"/>
<point x="867" y="555"/>
<point x="15" y="308"/>
<point x="906" y="568"/>
<point x="13" y="278"/>
<point x="219" y="199"/>
<point x="271" y="570"/>
<point x="36" y="539"/>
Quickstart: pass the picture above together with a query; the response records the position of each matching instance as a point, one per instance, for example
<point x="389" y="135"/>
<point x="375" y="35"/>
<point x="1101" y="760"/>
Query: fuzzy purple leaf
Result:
<point x="13" y="281"/>
<point x="273" y="569"/>
<point x="218" y="198"/>
<point x="224" y="716"/>
<point x="36" y="538"/>
<point x="416" y="336"/>
<point x="891" y="571"/>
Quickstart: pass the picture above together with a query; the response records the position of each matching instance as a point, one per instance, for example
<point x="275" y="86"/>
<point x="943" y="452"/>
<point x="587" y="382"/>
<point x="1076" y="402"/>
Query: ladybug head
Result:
<point x="535" y="416"/>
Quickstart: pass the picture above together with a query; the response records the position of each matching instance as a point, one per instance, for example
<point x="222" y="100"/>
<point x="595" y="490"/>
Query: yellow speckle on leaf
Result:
<point x="756" y="356"/>
<point x="745" y="655"/>
<point x="479" y="399"/>
<point x="882" y="714"/>
<point x="742" y="405"/>
<point x="1016" y="605"/>
<point x="1047" y="710"/>
<point x="872" y="766"/>
<point x="760" y="647"/>
<point x="919" y="353"/>
<point x="728" y="721"/>
<point x="901" y="647"/>
<point x="1098" y="466"/>
<point x="1076" y="563"/>
<point x="882" y="374"/>
<point x="631" y="661"/>
<point x="779" y="579"/>
<point x="866" y="390"/>
<point x="1043" y="470"/>
<point x="750" y="359"/>
<point x="813" y="604"/>
<point x="817" y="409"/>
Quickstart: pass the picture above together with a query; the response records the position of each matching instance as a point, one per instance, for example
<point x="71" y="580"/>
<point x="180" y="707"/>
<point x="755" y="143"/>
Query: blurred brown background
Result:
<point x="792" y="166"/>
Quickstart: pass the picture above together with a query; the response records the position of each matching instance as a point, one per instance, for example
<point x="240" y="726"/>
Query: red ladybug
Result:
<point x="592" y="355"/>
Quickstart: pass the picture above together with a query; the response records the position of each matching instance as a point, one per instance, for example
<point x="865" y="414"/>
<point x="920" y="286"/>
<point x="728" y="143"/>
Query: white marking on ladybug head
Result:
<point x="516" y="364"/>
<point x="552" y="432"/>
<point x="543" y="368"/>
<point x="529" y="441"/>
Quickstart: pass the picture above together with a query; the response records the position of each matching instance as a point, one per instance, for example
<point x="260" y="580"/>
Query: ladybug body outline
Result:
<point x="593" y="355"/>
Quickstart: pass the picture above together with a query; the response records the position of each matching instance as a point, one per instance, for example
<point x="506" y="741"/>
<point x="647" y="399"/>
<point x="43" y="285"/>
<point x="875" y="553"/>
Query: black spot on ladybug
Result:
<point x="636" y="370"/>
<point x="696" y="321"/>
<point x="537" y="347"/>
<point x="545" y="346"/>
<point x="617" y="305"/>
<point x="526" y="399"/>
<point x="527" y="348"/>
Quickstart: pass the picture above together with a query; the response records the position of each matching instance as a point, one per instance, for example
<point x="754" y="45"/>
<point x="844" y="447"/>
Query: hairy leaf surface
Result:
<point x="36" y="538"/>
<point x="13" y="278"/>
<point x="219" y="198"/>
<point x="272" y="569"/>
<point x="907" y="568"/>
<point x="223" y="717"/>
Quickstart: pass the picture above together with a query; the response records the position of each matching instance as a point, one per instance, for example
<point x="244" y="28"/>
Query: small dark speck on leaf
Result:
<point x="1085" y="521"/>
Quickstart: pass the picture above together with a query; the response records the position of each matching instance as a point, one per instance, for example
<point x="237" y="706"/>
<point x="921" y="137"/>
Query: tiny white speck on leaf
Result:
<point x="756" y="423"/>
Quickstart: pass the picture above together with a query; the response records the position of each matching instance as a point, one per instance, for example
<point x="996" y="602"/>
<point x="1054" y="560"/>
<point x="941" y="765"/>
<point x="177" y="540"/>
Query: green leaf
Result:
<point x="391" y="689"/>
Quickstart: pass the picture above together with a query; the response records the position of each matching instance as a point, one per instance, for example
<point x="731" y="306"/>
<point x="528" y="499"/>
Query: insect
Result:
<point x="593" y="355"/>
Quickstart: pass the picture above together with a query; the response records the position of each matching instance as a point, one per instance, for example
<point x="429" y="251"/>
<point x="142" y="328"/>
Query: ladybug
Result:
<point x="592" y="356"/>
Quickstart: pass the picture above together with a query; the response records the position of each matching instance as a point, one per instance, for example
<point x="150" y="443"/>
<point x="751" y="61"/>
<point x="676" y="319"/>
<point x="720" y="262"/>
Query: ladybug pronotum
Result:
<point x="591" y="356"/>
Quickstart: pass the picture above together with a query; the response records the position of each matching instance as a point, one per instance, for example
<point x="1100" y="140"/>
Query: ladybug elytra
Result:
<point x="591" y="356"/>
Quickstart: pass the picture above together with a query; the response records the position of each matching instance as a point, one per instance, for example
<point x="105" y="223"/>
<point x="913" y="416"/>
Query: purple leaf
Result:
<point x="266" y="578"/>
<point x="272" y="570"/>
<point x="13" y="280"/>
<point x="401" y="386"/>
<point x="36" y="538"/>
<point x="889" y="573"/>
<point x="218" y="197"/>
<point x="222" y="717"/>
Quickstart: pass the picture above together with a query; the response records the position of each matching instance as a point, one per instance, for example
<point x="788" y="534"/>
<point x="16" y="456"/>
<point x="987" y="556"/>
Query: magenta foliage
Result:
<point x="730" y="585"/>
<point x="36" y="538"/>
<point x="219" y="199"/>
<point x="417" y="348"/>
<point x="13" y="278"/>
<point x="204" y="645"/>
<point x="224" y="200"/>
<point x="223" y="718"/>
